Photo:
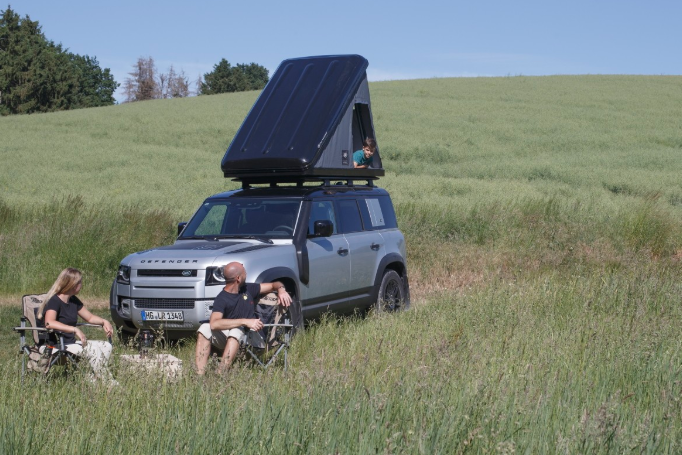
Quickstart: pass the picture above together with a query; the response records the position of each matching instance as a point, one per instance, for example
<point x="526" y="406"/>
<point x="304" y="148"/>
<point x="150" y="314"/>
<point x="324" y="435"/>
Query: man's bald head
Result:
<point x="232" y="271"/>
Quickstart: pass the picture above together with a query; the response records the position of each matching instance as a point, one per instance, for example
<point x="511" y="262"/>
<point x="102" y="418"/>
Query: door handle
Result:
<point x="375" y="246"/>
<point x="342" y="251"/>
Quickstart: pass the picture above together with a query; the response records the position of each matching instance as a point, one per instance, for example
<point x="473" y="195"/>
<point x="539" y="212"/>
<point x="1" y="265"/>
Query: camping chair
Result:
<point x="265" y="346"/>
<point x="42" y="354"/>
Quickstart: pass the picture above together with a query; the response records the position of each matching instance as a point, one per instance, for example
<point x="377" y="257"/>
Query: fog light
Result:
<point x="208" y="307"/>
<point x="124" y="308"/>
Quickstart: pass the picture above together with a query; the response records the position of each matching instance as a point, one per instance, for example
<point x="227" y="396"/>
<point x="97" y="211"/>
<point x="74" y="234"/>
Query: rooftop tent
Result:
<point x="309" y="119"/>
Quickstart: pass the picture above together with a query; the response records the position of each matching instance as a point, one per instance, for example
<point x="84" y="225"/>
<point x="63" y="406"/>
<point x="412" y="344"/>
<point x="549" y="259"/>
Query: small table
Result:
<point x="167" y="364"/>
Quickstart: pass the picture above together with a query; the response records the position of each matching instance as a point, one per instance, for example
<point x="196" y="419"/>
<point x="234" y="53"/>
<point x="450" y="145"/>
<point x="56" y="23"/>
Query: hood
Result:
<point x="190" y="252"/>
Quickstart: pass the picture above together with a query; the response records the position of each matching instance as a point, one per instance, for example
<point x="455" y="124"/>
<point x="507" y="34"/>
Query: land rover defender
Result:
<point x="303" y="215"/>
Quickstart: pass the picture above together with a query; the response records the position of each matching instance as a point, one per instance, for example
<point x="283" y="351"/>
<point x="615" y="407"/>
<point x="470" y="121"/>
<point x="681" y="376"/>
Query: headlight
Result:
<point x="214" y="276"/>
<point x="123" y="276"/>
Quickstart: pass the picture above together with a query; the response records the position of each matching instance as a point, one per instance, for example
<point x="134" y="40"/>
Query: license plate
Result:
<point x="163" y="316"/>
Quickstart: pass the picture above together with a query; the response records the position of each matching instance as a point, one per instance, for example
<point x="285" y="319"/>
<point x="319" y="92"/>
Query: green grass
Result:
<point x="543" y="218"/>
<point x="577" y="365"/>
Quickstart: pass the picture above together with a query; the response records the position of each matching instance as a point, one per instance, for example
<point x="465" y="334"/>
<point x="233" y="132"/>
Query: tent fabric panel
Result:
<point x="333" y="154"/>
<point x="362" y="95"/>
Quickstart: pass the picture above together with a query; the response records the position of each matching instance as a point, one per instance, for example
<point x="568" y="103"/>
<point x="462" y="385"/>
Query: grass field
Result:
<point x="543" y="217"/>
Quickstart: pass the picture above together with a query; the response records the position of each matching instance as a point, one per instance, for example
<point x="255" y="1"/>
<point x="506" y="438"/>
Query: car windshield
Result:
<point x="246" y="217"/>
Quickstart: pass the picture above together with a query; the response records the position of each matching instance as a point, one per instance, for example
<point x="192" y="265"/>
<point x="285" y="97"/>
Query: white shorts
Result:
<point x="219" y="337"/>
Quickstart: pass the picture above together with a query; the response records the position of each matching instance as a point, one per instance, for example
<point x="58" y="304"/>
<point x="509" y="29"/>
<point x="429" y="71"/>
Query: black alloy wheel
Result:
<point x="391" y="293"/>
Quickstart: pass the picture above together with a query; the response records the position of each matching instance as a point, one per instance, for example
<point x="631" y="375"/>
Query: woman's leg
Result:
<point x="98" y="353"/>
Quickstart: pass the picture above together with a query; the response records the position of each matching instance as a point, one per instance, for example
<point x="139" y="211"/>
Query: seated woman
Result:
<point x="60" y="311"/>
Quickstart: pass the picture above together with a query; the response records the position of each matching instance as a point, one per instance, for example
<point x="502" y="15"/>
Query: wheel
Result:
<point x="391" y="293"/>
<point x="296" y="314"/>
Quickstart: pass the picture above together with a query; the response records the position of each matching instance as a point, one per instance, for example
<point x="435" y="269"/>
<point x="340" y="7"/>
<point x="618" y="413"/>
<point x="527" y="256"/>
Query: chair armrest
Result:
<point x="87" y="324"/>
<point x="34" y="329"/>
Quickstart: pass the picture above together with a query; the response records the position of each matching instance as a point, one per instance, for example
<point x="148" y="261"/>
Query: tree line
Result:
<point x="147" y="83"/>
<point x="37" y="75"/>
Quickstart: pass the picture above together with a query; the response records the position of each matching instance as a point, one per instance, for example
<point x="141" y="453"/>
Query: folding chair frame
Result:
<point x="57" y="353"/>
<point x="248" y="344"/>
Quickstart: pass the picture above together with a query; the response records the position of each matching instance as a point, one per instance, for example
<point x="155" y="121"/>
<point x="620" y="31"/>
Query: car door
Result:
<point x="329" y="261"/>
<point x="365" y="251"/>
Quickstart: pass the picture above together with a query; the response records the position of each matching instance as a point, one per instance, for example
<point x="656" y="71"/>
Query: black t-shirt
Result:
<point x="238" y="306"/>
<point x="67" y="313"/>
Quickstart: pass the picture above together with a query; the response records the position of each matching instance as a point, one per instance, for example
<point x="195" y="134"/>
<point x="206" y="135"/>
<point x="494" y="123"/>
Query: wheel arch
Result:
<point x="283" y="274"/>
<point x="290" y="282"/>
<point x="392" y="261"/>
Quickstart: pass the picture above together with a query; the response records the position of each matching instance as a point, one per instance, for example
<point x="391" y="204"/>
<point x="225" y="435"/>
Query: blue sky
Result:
<point x="401" y="39"/>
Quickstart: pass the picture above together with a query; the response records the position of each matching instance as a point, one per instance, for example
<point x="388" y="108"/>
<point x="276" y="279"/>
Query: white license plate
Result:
<point x="163" y="316"/>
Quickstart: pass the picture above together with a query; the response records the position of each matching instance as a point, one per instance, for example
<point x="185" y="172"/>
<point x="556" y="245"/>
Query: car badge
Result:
<point x="186" y="272"/>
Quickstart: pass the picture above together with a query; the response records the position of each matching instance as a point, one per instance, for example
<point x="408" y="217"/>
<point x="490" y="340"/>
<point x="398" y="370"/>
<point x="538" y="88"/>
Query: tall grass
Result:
<point x="553" y="365"/>
<point x="37" y="242"/>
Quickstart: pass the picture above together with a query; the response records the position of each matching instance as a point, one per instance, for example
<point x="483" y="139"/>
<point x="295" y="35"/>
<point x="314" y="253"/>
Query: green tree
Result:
<point x="97" y="85"/>
<point x="37" y="75"/>
<point x="227" y="78"/>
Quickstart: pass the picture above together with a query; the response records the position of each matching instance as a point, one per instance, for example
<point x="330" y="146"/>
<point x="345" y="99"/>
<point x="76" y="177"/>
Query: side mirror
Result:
<point x="181" y="227"/>
<point x="323" y="228"/>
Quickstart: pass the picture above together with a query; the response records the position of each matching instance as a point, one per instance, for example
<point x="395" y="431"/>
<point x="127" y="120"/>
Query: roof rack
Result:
<point x="273" y="181"/>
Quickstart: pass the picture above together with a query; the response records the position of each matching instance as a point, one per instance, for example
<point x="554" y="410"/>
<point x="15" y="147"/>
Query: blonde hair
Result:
<point x="66" y="282"/>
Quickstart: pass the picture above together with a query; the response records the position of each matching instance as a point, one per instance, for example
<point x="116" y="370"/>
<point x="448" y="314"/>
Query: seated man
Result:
<point x="234" y="312"/>
<point x="362" y="159"/>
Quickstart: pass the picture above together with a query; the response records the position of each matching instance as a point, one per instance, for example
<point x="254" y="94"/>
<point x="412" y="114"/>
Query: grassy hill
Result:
<point x="543" y="219"/>
<point x="465" y="159"/>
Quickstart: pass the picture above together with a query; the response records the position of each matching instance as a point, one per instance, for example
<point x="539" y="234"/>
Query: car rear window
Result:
<point x="377" y="213"/>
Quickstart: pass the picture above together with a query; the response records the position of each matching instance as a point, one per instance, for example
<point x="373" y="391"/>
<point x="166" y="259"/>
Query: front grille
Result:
<point x="164" y="304"/>
<point x="183" y="273"/>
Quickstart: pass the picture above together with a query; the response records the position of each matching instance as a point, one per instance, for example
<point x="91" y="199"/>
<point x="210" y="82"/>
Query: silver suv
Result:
<point x="335" y="247"/>
<point x="311" y="224"/>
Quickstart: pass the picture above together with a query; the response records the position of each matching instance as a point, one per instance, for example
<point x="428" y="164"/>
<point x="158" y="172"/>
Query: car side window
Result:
<point x="377" y="213"/>
<point x="349" y="216"/>
<point x="322" y="210"/>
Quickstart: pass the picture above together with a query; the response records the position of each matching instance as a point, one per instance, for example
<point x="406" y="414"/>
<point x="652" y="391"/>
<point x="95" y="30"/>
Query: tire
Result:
<point x="392" y="296"/>
<point x="296" y="313"/>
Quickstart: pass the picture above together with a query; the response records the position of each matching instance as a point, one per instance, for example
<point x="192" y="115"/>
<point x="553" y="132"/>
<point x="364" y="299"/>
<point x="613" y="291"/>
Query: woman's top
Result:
<point x="67" y="313"/>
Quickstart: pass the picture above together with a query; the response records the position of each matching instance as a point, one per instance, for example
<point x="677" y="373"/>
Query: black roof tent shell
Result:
<point x="306" y="124"/>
